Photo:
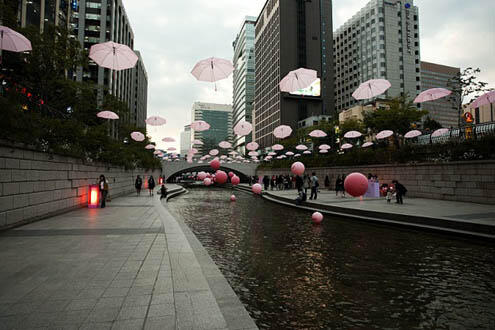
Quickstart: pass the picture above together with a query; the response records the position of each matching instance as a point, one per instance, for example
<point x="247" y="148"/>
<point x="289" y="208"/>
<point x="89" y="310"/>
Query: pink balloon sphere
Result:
<point x="235" y="180"/>
<point x="232" y="198"/>
<point x="356" y="184"/>
<point x="207" y="181"/>
<point x="317" y="218"/>
<point x="297" y="168"/>
<point x="221" y="177"/>
<point x="231" y="174"/>
<point x="215" y="164"/>
<point x="201" y="175"/>
<point x="257" y="188"/>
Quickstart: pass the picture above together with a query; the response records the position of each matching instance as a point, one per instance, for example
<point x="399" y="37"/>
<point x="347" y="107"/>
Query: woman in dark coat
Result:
<point x="151" y="184"/>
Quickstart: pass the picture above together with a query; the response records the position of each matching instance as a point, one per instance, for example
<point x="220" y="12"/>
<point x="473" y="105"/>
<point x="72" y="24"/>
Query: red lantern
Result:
<point x="93" y="196"/>
<point x="160" y="181"/>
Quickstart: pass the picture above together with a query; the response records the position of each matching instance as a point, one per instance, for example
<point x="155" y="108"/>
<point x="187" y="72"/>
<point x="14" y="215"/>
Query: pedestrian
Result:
<point x="390" y="194"/>
<point x="299" y="183"/>
<point x="138" y="184"/>
<point x="293" y="182"/>
<point x="103" y="185"/>
<point x="342" y="185"/>
<point x="307" y="183"/>
<point x="163" y="192"/>
<point x="400" y="191"/>
<point x="273" y="182"/>
<point x="280" y="182"/>
<point x="314" y="186"/>
<point x="327" y="182"/>
<point x="151" y="184"/>
<point x="266" y="182"/>
<point x="337" y="186"/>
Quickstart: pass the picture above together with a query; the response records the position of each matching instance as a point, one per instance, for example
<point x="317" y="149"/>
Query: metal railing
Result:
<point x="459" y="134"/>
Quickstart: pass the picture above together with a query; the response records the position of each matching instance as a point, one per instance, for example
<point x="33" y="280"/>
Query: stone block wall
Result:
<point x="457" y="181"/>
<point x="36" y="185"/>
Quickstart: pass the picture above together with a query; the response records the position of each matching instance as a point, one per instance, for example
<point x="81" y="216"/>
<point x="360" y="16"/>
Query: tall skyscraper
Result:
<point x="243" y="99"/>
<point x="443" y="110"/>
<point x="185" y="140"/>
<point x="291" y="35"/>
<point x="380" y="41"/>
<point x="43" y="12"/>
<point x="219" y="116"/>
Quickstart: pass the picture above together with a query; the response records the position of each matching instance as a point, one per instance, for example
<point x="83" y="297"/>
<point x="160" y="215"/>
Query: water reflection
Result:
<point x="343" y="274"/>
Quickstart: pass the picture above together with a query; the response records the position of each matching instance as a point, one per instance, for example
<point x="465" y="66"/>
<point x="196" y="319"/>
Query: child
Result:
<point x="390" y="194"/>
<point x="163" y="192"/>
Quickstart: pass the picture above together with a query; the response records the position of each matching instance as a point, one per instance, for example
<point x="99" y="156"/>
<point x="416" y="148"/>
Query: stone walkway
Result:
<point x="128" y="266"/>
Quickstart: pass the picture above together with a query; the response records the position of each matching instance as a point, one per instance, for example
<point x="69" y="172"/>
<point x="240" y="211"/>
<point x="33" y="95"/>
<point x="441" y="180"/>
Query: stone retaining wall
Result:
<point x="35" y="185"/>
<point x="457" y="181"/>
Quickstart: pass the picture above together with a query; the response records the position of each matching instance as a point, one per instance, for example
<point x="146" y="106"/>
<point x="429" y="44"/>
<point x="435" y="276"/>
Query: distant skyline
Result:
<point x="173" y="36"/>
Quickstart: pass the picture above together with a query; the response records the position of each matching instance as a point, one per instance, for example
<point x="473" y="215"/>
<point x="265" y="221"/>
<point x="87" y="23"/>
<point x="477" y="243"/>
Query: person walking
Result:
<point x="400" y="191"/>
<point x="138" y="184"/>
<point x="307" y="183"/>
<point x="103" y="185"/>
<point x="314" y="186"/>
<point x="151" y="184"/>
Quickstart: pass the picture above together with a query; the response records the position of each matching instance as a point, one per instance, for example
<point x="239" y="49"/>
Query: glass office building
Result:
<point x="219" y="116"/>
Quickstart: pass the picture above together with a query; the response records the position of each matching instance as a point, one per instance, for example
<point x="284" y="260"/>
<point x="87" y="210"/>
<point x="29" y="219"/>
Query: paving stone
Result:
<point x="160" y="323"/>
<point x="102" y="315"/>
<point x="128" y="324"/>
<point x="134" y="312"/>
<point x="96" y="326"/>
<point x="116" y="292"/>
<point x="161" y="310"/>
<point x="137" y="301"/>
<point x="167" y="298"/>
<point x="81" y="304"/>
<point x="109" y="302"/>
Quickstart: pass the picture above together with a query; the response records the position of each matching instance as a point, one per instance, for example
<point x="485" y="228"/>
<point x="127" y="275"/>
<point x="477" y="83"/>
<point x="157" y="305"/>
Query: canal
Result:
<point x="344" y="274"/>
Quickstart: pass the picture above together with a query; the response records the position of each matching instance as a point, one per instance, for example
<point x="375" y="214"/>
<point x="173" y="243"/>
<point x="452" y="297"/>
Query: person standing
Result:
<point x="307" y="183"/>
<point x="138" y="184"/>
<point x="299" y="183"/>
<point x="342" y="185"/>
<point x="314" y="186"/>
<point x="273" y="182"/>
<point x="327" y="182"/>
<point x="103" y="185"/>
<point x="151" y="184"/>
<point x="400" y="191"/>
<point x="266" y="182"/>
<point x="163" y="192"/>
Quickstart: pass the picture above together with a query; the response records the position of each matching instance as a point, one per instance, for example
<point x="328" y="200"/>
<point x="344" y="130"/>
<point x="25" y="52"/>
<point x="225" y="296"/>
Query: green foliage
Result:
<point x="301" y="136"/>
<point x="352" y="125"/>
<point x="431" y="124"/>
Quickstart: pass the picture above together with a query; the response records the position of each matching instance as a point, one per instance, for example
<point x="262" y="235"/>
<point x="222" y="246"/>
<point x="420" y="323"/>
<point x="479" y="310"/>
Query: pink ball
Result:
<point x="356" y="184"/>
<point x="215" y="164"/>
<point x="201" y="175"/>
<point x="235" y="180"/>
<point x="297" y="168"/>
<point x="221" y="177"/>
<point x="231" y="174"/>
<point x="232" y="198"/>
<point x="207" y="181"/>
<point x="257" y="189"/>
<point x="317" y="218"/>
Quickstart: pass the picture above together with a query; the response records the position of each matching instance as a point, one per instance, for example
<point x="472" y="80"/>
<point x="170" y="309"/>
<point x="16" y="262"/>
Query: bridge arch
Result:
<point x="171" y="170"/>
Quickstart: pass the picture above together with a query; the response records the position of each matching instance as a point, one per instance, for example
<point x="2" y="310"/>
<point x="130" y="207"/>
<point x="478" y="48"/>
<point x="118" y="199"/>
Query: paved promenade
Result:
<point x="128" y="266"/>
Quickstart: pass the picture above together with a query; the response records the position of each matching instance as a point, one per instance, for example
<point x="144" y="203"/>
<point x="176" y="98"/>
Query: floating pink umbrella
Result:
<point x="157" y="152"/>
<point x="412" y="134"/>
<point x="432" y="94"/>
<point x="278" y="147"/>
<point x="298" y="79"/>
<point x="352" y="134"/>
<point x="107" y="115"/>
<point x="282" y="131"/>
<point x="156" y="121"/>
<point x="371" y="88"/>
<point x="150" y="146"/>
<point x="324" y="147"/>
<point x="223" y="157"/>
<point x="168" y="139"/>
<point x="347" y="146"/>
<point x="272" y="154"/>
<point x="297" y="155"/>
<point x="367" y="144"/>
<point x="13" y="41"/>
<point x="193" y="151"/>
<point x="198" y="142"/>
<point x="243" y="128"/>
<point x="214" y="152"/>
<point x="324" y="151"/>
<point x="137" y="136"/>
<point x="171" y="149"/>
<point x="484" y="99"/>
<point x="253" y="153"/>
<point x="252" y="146"/>
<point x="289" y="153"/>
<point x="113" y="56"/>
<point x="225" y="145"/>
<point x="307" y="152"/>
<point x="384" y="134"/>
<point x="317" y="133"/>
<point x="200" y="125"/>
<point x="212" y="70"/>
<point x="440" y="132"/>
<point x="233" y="153"/>
<point x="301" y="147"/>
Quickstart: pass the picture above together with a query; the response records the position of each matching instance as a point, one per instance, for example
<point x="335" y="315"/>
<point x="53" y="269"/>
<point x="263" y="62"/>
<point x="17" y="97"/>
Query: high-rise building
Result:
<point x="219" y="116"/>
<point x="243" y="96"/>
<point x="291" y="35"/>
<point x="443" y="110"/>
<point x="43" y="12"/>
<point x="381" y="41"/>
<point x="185" y="140"/>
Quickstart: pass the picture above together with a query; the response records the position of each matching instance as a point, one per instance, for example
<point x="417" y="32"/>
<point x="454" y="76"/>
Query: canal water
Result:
<point x="344" y="274"/>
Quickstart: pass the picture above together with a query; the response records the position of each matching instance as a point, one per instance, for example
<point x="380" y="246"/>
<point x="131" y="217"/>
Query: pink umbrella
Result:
<point x="172" y="149"/>
<point x="278" y="147"/>
<point x="198" y="142"/>
<point x="113" y="56"/>
<point x="307" y="152"/>
<point x="324" y="147"/>
<point x="13" y="41"/>
<point x="384" y="134"/>
<point x="150" y="146"/>
<point x="484" y="99"/>
<point x="225" y="145"/>
<point x="323" y="151"/>
<point x="282" y="131"/>
<point x="412" y="134"/>
<point x="289" y="153"/>
<point x="233" y="153"/>
<point x="352" y="134"/>
<point x="347" y="146"/>
<point x="212" y="69"/>
<point x="200" y="125"/>
<point x="297" y="155"/>
<point x="168" y="139"/>
<point x="298" y="79"/>
<point x="440" y="132"/>
<point x="157" y="152"/>
<point x="107" y="115"/>
<point x="156" y="121"/>
<point x="367" y="144"/>
<point x="243" y="128"/>
<point x="193" y="151"/>
<point x="214" y="152"/>
<point x="317" y="133"/>
<point x="301" y="147"/>
<point x="371" y="88"/>
<point x="252" y="146"/>
<point x="137" y="136"/>
<point x="272" y="154"/>
<point x="223" y="157"/>
<point x="253" y="153"/>
<point x="432" y="94"/>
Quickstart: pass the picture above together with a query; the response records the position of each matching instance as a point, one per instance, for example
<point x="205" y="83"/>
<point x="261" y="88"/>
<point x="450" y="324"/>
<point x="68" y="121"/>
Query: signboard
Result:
<point x="313" y="90"/>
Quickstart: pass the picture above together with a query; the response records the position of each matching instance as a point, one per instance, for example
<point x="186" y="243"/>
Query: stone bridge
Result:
<point x="173" y="169"/>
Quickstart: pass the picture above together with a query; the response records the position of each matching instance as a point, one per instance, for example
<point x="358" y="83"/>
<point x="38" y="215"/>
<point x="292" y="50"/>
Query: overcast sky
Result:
<point x="173" y="35"/>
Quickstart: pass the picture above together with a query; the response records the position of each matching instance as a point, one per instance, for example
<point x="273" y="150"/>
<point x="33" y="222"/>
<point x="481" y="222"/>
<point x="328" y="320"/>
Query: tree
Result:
<point x="431" y="124"/>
